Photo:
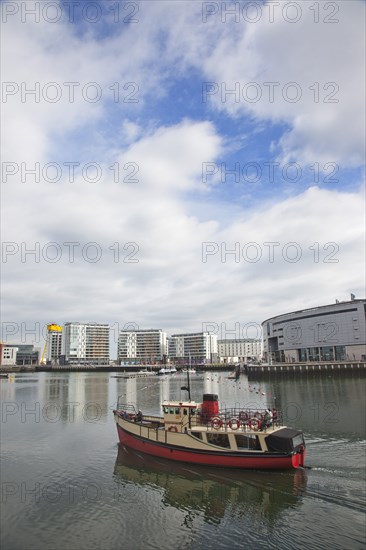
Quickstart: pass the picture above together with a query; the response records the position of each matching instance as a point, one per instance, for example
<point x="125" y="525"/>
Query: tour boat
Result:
<point x="201" y="433"/>
<point x="167" y="370"/>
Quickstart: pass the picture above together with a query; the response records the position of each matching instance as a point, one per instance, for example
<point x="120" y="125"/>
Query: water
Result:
<point x="66" y="483"/>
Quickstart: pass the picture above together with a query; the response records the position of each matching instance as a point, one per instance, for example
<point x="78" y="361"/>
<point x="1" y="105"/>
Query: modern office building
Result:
<point x="86" y="343"/>
<point x="198" y="347"/>
<point x="27" y="355"/>
<point x="247" y="349"/>
<point x="136" y="347"/>
<point x="335" y="332"/>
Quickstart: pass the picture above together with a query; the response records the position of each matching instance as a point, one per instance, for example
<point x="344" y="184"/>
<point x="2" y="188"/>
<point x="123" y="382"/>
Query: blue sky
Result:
<point x="152" y="118"/>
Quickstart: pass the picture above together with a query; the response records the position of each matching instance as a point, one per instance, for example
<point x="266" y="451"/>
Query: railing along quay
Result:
<point x="305" y="368"/>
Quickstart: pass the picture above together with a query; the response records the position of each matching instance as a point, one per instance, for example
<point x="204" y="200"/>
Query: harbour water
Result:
<point x="66" y="483"/>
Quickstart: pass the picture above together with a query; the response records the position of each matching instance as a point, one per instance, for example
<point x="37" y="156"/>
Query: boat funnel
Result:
<point x="210" y="406"/>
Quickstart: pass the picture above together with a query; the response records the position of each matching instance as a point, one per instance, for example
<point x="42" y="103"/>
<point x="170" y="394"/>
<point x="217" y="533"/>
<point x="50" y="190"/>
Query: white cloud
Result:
<point x="171" y="286"/>
<point x="324" y="61"/>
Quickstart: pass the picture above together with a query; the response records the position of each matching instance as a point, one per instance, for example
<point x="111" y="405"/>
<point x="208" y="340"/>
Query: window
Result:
<point x="221" y="440"/>
<point x="197" y="434"/>
<point x="247" y="442"/>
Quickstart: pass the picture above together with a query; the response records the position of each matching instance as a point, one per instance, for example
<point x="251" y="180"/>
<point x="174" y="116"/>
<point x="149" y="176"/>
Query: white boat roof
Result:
<point x="180" y="404"/>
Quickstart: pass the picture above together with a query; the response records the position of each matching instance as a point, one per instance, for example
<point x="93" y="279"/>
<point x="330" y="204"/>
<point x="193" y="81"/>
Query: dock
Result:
<point x="304" y="368"/>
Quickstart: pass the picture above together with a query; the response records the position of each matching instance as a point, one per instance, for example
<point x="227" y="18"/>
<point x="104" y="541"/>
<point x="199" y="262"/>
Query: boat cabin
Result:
<point x="179" y="415"/>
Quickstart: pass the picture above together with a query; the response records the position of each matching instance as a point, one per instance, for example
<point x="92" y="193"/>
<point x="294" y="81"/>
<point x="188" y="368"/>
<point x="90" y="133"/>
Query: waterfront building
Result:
<point x="86" y="343"/>
<point x="335" y="332"/>
<point x="53" y="343"/>
<point x="21" y="354"/>
<point x="199" y="347"/>
<point x="8" y="355"/>
<point x="247" y="349"/>
<point x="142" y="346"/>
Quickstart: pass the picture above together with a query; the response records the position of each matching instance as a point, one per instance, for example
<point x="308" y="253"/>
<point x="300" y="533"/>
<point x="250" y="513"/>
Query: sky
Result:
<point x="180" y="165"/>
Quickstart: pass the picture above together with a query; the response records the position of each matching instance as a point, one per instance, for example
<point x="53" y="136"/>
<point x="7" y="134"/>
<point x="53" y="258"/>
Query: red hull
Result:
<point x="265" y="462"/>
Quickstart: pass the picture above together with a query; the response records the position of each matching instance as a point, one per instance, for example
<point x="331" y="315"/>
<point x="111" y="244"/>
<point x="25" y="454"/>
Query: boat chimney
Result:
<point x="210" y="406"/>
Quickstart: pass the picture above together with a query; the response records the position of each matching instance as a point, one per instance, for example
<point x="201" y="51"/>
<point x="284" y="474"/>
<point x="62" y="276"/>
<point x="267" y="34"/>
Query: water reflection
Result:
<point x="211" y="491"/>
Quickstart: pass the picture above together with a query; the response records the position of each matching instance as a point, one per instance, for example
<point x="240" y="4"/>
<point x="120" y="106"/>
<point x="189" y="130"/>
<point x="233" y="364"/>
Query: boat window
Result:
<point x="193" y="412"/>
<point x="171" y="411"/>
<point x="221" y="440"/>
<point x="197" y="434"/>
<point x="185" y="412"/>
<point x="177" y="410"/>
<point x="166" y="410"/>
<point x="247" y="442"/>
<point x="298" y="440"/>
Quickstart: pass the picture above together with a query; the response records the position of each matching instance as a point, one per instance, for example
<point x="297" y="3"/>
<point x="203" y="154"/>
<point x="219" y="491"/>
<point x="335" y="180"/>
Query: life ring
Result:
<point x="254" y="424"/>
<point x="243" y="416"/>
<point x="234" y="424"/>
<point x="216" y="423"/>
<point x="173" y="429"/>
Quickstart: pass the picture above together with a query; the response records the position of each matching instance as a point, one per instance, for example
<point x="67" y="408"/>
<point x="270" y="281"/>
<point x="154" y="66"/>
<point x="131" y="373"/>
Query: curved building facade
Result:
<point x="336" y="332"/>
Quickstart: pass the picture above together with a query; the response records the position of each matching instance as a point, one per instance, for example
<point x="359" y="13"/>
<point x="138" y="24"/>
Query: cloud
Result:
<point x="300" y="74"/>
<point x="97" y="228"/>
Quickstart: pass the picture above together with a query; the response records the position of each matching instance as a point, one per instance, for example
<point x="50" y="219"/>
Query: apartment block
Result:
<point x="142" y="346"/>
<point x="198" y="347"/>
<point x="240" y="350"/>
<point x="86" y="343"/>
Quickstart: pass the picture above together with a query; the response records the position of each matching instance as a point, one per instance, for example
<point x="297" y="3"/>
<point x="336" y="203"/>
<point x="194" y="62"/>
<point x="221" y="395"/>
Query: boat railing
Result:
<point x="127" y="407"/>
<point x="245" y="418"/>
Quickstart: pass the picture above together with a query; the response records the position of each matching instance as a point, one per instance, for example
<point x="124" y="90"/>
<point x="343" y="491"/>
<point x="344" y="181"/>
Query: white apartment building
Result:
<point x="143" y="346"/>
<point x="86" y="343"/>
<point x="54" y="346"/>
<point x="239" y="350"/>
<point x="199" y="347"/>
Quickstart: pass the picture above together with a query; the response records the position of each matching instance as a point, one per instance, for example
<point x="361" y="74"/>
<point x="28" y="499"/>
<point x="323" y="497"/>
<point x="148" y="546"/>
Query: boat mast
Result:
<point x="188" y="386"/>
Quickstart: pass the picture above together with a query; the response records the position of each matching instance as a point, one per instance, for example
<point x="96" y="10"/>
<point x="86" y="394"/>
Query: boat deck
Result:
<point x="157" y="422"/>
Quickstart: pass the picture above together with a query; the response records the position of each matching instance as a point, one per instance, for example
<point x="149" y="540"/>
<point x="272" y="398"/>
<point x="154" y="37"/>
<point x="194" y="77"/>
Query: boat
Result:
<point x="190" y="371"/>
<point x="170" y="370"/>
<point x="202" y="433"/>
<point x="137" y="374"/>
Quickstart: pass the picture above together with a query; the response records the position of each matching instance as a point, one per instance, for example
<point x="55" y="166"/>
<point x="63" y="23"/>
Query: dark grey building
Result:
<point x="336" y="332"/>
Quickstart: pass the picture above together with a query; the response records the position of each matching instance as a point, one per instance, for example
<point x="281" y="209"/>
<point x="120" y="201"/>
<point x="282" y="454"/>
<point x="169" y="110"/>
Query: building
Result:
<point x="27" y="355"/>
<point x="8" y="355"/>
<point x="247" y="349"/>
<point x="136" y="347"/>
<point x="336" y="332"/>
<point x="53" y="343"/>
<point x="197" y="347"/>
<point x="19" y="354"/>
<point x="86" y="343"/>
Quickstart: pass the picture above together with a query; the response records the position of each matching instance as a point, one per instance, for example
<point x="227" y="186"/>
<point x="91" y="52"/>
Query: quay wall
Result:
<point x="250" y="370"/>
<point x="304" y="368"/>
